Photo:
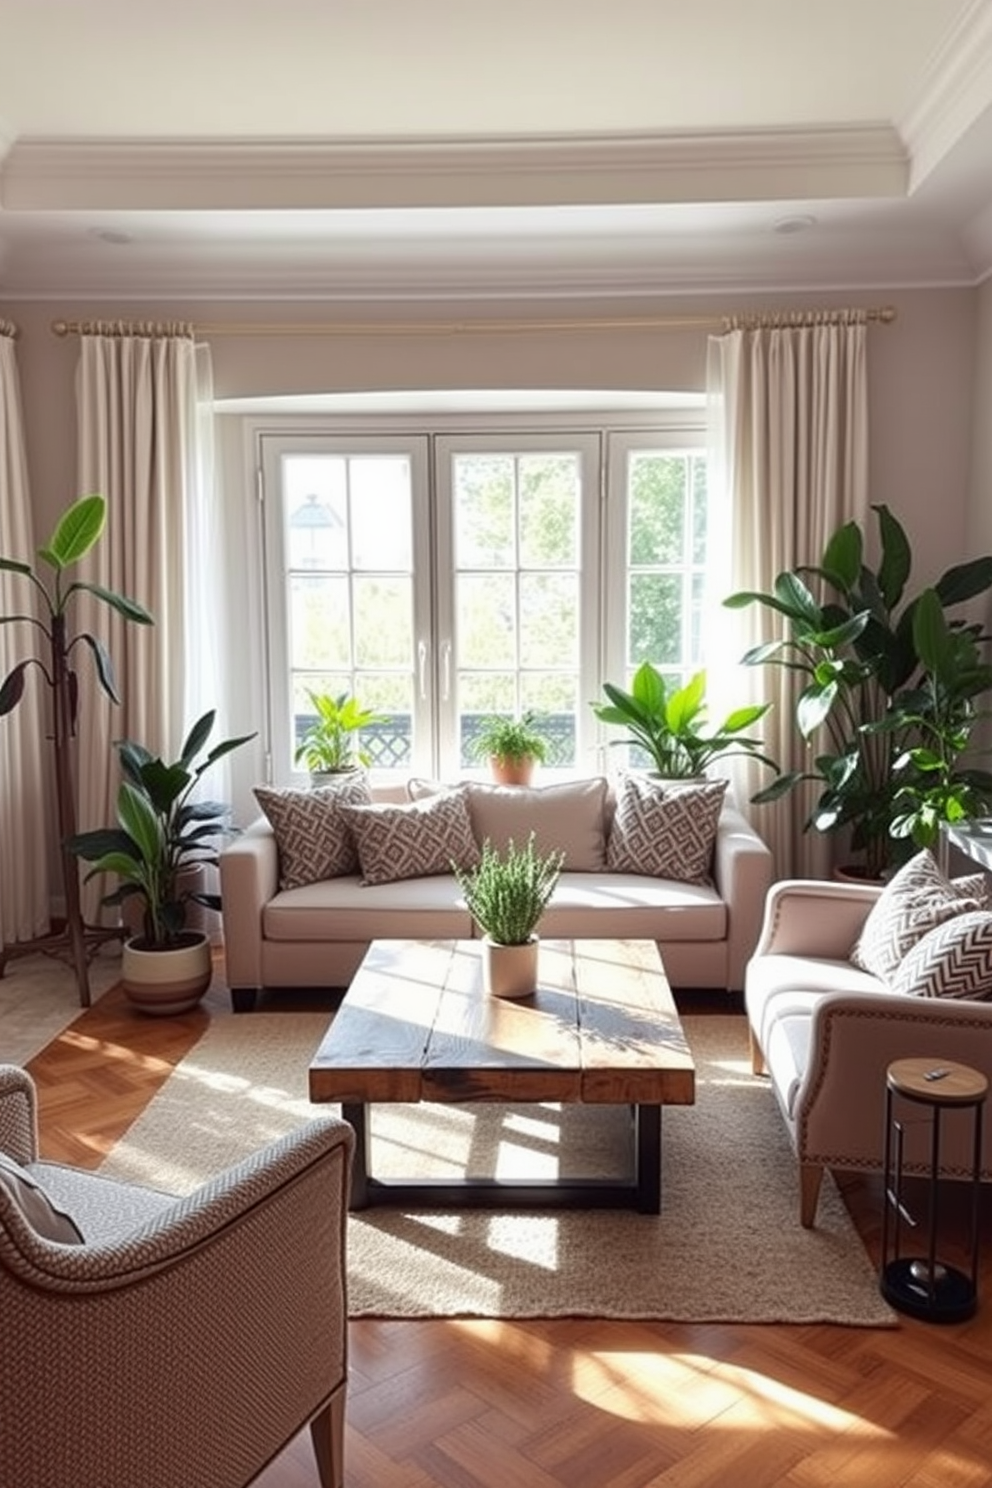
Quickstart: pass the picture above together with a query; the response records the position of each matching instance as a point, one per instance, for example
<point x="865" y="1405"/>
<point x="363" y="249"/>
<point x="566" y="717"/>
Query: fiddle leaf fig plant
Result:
<point x="669" y="724"/>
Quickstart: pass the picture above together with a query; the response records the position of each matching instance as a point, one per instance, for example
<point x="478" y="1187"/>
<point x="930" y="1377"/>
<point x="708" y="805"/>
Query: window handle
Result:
<point x="422" y="668"/>
<point x="446" y="671"/>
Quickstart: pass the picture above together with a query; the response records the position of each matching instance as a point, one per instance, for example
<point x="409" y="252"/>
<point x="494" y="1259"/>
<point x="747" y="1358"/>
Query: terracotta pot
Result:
<point x="167" y="982"/>
<point x="511" y="771"/>
<point x="509" y="970"/>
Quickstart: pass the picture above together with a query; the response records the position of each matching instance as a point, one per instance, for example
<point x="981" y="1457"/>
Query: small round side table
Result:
<point x="923" y="1285"/>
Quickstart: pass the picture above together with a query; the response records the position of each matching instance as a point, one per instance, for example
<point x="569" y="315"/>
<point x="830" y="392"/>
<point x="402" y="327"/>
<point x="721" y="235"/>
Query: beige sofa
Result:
<point x="317" y="934"/>
<point x="825" y="1032"/>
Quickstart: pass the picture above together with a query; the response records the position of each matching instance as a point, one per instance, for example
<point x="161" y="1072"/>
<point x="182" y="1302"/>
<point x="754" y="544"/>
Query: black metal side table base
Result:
<point x="905" y="1286"/>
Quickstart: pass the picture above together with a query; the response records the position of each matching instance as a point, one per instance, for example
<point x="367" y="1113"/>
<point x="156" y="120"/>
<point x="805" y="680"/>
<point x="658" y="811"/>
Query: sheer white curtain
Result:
<point x="140" y="447"/>
<point x="24" y="887"/>
<point x="788" y="411"/>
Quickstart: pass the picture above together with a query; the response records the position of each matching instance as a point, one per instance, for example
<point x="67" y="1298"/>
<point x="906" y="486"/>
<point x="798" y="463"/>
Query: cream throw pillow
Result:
<point x="569" y="818"/>
<point x="414" y="841"/>
<point x="36" y="1208"/>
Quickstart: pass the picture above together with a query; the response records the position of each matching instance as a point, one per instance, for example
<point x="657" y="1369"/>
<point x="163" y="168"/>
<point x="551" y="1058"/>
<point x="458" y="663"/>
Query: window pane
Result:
<point x="484" y="511"/>
<point x="487" y="624"/>
<point x="549" y="619"/>
<point x="657" y="508"/>
<point x="319" y="623"/>
<point x="549" y="511"/>
<point x="380" y="512"/>
<point x="700" y="510"/>
<point x="383" y="621"/>
<point x="655" y="619"/>
<point x="315" y="502"/>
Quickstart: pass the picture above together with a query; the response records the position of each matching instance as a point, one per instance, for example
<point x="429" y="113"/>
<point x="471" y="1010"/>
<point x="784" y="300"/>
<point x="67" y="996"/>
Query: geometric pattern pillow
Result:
<point x="915" y="901"/>
<point x="413" y="841"/>
<point x="37" y="1209"/>
<point x="312" y="836"/>
<point x="954" y="960"/>
<point x="666" y="830"/>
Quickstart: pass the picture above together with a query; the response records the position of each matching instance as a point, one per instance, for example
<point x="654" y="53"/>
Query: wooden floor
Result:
<point x="589" y="1404"/>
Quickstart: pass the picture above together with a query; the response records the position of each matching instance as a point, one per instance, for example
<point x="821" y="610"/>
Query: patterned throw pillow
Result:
<point x="914" y="901"/>
<point x="413" y="841"/>
<point x="312" y="836"/>
<point x="665" y="829"/>
<point x="37" y="1209"/>
<point x="954" y="960"/>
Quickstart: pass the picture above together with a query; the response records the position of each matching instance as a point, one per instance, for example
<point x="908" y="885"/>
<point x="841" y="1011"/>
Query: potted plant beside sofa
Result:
<point x="512" y="746"/>
<point x="163" y="841"/>
<point x="330" y="745"/>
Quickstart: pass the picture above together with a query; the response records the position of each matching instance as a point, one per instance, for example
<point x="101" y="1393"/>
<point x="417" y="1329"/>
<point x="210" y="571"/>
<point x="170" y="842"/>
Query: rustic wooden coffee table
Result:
<point x="602" y="1028"/>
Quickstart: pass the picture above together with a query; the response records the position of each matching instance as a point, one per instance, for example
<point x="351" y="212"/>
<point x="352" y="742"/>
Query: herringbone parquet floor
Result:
<point x="589" y="1404"/>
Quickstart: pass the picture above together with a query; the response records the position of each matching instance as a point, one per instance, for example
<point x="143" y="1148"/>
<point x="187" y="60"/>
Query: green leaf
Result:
<point x="813" y="707"/>
<point x="796" y="600"/>
<point x="894" y="569"/>
<point x="10" y="565"/>
<point x="197" y="737"/>
<point x="931" y="635"/>
<point x="78" y="529"/>
<point x="685" y="704"/>
<point x="102" y="662"/>
<point x="965" y="581"/>
<point x="13" y="688"/>
<point x="129" y="608"/>
<point x="648" y="688"/>
<point x="139" y="820"/>
<point x="841" y="560"/>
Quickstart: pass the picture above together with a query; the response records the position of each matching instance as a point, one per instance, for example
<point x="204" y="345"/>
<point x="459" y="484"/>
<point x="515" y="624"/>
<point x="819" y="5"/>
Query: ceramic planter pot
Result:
<point x="167" y="982"/>
<point x="509" y="970"/>
<point x="511" y="771"/>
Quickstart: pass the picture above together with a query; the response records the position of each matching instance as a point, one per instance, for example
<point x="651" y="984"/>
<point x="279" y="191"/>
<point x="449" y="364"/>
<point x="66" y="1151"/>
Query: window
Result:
<point x="443" y="576"/>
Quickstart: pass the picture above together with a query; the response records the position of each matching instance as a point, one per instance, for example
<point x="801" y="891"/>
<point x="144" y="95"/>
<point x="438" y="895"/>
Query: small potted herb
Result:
<point x="507" y="893"/>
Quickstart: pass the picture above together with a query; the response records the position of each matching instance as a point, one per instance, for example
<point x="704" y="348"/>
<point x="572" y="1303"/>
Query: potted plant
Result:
<point x="330" y="745"/>
<point x="512" y="746"/>
<point x="76" y="533"/>
<point x="158" y="851"/>
<point x="888" y="690"/>
<point x="669" y="724"/>
<point x="506" y="894"/>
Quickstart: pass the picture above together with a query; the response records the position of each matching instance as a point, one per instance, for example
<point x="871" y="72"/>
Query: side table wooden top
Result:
<point x="938" y="1082"/>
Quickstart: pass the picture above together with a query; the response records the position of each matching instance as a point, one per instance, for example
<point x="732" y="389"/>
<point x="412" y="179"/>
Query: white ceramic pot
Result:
<point x="509" y="971"/>
<point x="166" y="982"/>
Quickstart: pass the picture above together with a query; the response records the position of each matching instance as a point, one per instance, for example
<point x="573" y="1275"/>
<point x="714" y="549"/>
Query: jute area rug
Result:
<point x="728" y="1245"/>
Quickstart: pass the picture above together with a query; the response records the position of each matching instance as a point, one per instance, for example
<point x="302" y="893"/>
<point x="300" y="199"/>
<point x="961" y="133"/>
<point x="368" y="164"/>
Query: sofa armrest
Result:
<point x="18" y="1114"/>
<point x="249" y="878"/>
<point x="742" y="872"/>
<point x="854" y="1037"/>
<point x="814" y="917"/>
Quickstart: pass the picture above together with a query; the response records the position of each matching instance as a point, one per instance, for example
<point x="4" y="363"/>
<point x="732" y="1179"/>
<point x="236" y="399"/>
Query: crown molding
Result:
<point x="956" y="91"/>
<point x="195" y="175"/>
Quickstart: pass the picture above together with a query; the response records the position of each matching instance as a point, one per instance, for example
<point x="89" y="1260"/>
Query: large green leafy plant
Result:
<point x="162" y="834"/>
<point x="890" y="691"/>
<point x="55" y="591"/>
<point x="669" y="724"/>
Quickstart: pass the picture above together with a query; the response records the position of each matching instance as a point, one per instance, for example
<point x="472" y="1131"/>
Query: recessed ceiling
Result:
<point x="480" y="151"/>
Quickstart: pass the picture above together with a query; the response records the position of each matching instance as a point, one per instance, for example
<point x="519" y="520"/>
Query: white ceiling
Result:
<point x="478" y="149"/>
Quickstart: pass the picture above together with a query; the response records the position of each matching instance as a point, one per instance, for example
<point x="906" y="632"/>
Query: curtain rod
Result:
<point x="744" y="320"/>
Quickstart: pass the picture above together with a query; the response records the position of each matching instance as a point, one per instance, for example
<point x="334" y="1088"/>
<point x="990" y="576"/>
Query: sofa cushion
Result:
<point x="635" y="905"/>
<point x="665" y="828"/>
<point x="569" y="818"/>
<point x="313" y="839"/>
<point x="36" y="1208"/>
<point x="346" y="909"/>
<point x="413" y="840"/>
<point x="914" y="901"/>
<point x="952" y="960"/>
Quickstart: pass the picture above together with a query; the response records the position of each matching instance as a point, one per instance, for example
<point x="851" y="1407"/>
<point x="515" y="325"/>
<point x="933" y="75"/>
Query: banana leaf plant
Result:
<point x="889" y="691"/>
<point x="54" y="591"/>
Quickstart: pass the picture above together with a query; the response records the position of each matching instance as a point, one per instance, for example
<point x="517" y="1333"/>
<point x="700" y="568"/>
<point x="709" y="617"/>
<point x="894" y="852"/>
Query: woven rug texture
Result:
<point x="728" y="1245"/>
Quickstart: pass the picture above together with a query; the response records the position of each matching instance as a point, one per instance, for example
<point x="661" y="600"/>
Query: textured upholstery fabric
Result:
<point x="39" y="1209"/>
<point x="952" y="960"/>
<point x="665" y="829"/>
<point x="312" y="835"/>
<point x="187" y="1348"/>
<point x="913" y="902"/>
<point x="415" y="840"/>
<point x="569" y="818"/>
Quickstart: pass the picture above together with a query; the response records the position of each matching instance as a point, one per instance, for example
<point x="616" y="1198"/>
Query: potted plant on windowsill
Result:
<point x="158" y="851"/>
<point x="330" y="745"/>
<point x="669" y="724"/>
<point x="890" y="691"/>
<point x="506" y="894"/>
<point x="512" y="746"/>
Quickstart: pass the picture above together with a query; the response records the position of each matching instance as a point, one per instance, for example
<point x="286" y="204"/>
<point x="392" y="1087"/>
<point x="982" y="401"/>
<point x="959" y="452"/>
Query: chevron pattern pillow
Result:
<point x="665" y="829"/>
<point x="313" y="839"/>
<point x="413" y="841"/>
<point x="954" y="960"/>
<point x="915" y="901"/>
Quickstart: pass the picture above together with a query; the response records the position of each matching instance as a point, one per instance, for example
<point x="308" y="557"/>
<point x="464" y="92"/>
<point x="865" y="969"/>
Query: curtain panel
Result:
<point x="788" y="427"/>
<point x="24" y="766"/>
<point x="138" y="446"/>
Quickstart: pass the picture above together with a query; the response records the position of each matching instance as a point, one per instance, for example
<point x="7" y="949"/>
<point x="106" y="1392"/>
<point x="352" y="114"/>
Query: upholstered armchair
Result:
<point x="180" y="1341"/>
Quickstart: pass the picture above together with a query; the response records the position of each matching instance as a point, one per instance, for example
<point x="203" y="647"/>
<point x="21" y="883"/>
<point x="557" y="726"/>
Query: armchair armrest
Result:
<point x="742" y="872"/>
<point x="18" y="1114"/>
<point x="814" y="917"/>
<point x="249" y="878"/>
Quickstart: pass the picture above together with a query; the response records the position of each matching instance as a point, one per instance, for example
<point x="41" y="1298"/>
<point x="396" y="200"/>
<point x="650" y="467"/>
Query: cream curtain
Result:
<point x="24" y="888"/>
<point x="788" y="416"/>
<point x="138" y="447"/>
